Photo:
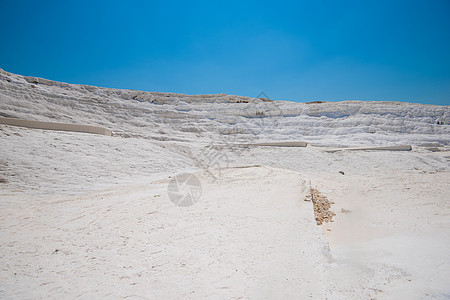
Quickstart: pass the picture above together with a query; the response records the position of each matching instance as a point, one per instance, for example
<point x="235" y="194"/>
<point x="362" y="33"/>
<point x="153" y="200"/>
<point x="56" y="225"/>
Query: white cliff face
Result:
<point x="165" y="133"/>
<point x="178" y="117"/>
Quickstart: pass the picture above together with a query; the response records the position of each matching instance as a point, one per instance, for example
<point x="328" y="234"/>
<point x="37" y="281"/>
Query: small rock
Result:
<point x="341" y="172"/>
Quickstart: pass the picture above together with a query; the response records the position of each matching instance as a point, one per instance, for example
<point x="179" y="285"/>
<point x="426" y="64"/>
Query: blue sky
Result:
<point x="291" y="50"/>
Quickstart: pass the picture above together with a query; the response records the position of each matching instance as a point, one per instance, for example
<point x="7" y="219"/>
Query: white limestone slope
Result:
<point x="90" y="216"/>
<point x="169" y="116"/>
<point x="253" y="240"/>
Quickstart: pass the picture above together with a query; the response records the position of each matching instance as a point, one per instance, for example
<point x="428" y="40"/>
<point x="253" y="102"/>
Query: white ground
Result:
<point x="88" y="216"/>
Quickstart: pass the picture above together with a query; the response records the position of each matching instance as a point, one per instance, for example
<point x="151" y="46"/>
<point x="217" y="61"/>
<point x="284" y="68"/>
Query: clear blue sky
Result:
<point x="291" y="50"/>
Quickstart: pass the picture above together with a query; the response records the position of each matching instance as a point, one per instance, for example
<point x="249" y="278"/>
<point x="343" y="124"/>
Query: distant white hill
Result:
<point x="223" y="118"/>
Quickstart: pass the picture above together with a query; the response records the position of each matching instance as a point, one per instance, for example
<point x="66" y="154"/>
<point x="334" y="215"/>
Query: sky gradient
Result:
<point x="291" y="50"/>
